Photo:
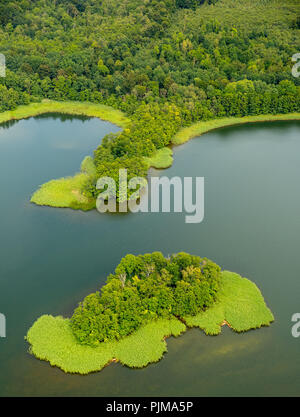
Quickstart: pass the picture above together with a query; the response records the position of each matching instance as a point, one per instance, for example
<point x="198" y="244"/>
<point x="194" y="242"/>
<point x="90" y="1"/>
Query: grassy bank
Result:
<point x="67" y="107"/>
<point x="161" y="159"/>
<point x="199" y="128"/>
<point x="240" y="303"/>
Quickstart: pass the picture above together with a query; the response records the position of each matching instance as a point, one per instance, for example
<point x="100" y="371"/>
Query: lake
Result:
<point x="51" y="258"/>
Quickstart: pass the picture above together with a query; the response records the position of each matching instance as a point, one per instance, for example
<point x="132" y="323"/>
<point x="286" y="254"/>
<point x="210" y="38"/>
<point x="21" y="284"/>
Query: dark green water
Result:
<point x="51" y="258"/>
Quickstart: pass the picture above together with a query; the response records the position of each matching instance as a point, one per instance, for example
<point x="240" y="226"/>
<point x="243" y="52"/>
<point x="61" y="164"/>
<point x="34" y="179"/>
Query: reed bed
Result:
<point x="161" y="159"/>
<point x="197" y="129"/>
<point x="239" y="303"/>
<point x="67" y="107"/>
<point x="52" y="339"/>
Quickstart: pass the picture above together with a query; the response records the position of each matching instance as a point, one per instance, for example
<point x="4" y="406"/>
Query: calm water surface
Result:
<point x="51" y="258"/>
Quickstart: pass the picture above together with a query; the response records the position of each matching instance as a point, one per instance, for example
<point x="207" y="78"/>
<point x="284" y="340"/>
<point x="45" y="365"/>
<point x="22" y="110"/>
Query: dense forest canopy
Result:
<point x="166" y="63"/>
<point x="145" y="288"/>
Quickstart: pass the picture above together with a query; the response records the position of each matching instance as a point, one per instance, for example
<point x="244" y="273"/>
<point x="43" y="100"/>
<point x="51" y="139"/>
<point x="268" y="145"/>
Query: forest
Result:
<point x="165" y="63"/>
<point x="143" y="289"/>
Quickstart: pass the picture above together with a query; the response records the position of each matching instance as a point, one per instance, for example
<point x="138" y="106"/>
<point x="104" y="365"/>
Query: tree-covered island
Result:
<point x="148" y="298"/>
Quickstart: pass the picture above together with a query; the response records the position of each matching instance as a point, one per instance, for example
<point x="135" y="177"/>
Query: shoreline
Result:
<point x="76" y="108"/>
<point x="46" y="194"/>
<point x="240" y="306"/>
<point x="199" y="128"/>
<point x="65" y="192"/>
<point x="163" y="158"/>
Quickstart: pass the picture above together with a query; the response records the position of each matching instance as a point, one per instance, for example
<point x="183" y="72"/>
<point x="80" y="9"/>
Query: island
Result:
<point x="147" y="299"/>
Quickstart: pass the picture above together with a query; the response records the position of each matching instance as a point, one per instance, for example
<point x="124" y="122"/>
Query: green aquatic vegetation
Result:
<point x="147" y="345"/>
<point x="52" y="339"/>
<point x="87" y="166"/>
<point x="101" y="111"/>
<point x="161" y="159"/>
<point x="64" y="192"/>
<point x="239" y="303"/>
<point x="197" y="129"/>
